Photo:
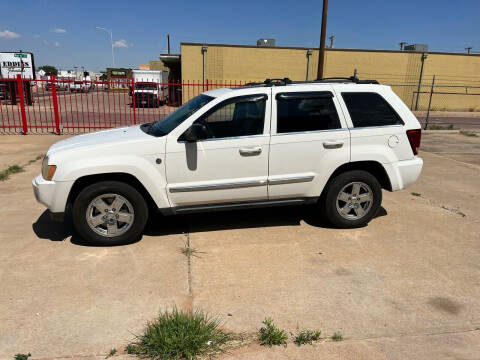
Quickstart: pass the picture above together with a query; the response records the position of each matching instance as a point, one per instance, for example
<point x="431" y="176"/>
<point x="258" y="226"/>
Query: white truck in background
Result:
<point x="151" y="88"/>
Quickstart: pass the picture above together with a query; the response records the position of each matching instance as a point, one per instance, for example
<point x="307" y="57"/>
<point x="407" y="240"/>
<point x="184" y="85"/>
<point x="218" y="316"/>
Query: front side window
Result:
<point x="238" y="116"/>
<point x="165" y="126"/>
<point x="370" y="109"/>
<point x="306" y="111"/>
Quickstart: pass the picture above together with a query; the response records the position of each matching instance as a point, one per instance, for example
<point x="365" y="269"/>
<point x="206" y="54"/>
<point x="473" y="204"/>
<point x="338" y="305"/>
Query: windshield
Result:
<point x="163" y="127"/>
<point x="146" y="86"/>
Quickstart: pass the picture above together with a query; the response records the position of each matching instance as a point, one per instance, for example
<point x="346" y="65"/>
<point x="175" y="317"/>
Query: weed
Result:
<point x="112" y="352"/>
<point x="271" y="334"/>
<point x="188" y="251"/>
<point x="179" y="334"/>
<point x="468" y="133"/>
<point x="10" y="170"/>
<point x="337" y="336"/>
<point x="33" y="160"/>
<point x="416" y="194"/>
<point x="436" y="127"/>
<point x="15" y="169"/>
<point x="22" y="356"/>
<point x="131" y="349"/>
<point x="307" y="337"/>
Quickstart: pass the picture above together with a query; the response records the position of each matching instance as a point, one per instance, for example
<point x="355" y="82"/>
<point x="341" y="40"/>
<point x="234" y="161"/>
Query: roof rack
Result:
<point x="287" y="81"/>
<point x="271" y="82"/>
<point x="352" y="79"/>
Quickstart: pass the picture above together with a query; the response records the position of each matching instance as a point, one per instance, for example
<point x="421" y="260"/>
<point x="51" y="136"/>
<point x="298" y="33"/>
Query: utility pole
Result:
<point x="424" y="57"/>
<point x="468" y="49"/>
<point x="168" y="42"/>
<point x="321" y="53"/>
<point x="331" y="41"/>
<point x="402" y="43"/>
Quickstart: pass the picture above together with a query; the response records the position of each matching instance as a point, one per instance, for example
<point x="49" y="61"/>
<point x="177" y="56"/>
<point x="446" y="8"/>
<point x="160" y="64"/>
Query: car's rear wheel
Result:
<point x="109" y="213"/>
<point x="352" y="199"/>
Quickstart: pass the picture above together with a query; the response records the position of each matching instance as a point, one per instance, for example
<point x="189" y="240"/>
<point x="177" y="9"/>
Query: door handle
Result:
<point x="250" y="151"/>
<point x="332" y="144"/>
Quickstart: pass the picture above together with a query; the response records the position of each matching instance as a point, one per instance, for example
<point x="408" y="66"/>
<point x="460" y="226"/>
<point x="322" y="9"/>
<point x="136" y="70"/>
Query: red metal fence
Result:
<point x="68" y="106"/>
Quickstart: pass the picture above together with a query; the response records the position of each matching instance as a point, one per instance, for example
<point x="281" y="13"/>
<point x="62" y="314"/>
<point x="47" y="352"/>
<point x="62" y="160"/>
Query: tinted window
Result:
<point x="238" y="116"/>
<point x="163" y="127"/>
<point x="306" y="112"/>
<point x="370" y="109"/>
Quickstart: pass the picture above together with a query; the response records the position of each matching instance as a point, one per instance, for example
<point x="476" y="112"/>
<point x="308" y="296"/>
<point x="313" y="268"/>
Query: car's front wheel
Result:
<point x="109" y="213"/>
<point x="352" y="199"/>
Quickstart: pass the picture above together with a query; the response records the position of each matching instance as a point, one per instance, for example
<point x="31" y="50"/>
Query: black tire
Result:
<point x="89" y="193"/>
<point x="333" y="189"/>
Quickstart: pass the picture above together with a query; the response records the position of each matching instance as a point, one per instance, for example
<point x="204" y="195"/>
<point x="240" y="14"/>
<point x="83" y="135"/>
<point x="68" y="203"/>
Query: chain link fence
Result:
<point x="450" y="101"/>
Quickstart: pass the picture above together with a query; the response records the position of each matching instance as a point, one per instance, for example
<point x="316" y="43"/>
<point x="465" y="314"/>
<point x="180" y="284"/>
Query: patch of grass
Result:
<point x="112" y="352"/>
<point x="307" y="337"/>
<point x="468" y="133"/>
<point x="10" y="170"/>
<point x="36" y="159"/>
<point x="271" y="334"/>
<point x="416" y="194"/>
<point x="337" y="336"/>
<point x="188" y="251"/>
<point x="22" y="356"/>
<point x="179" y="334"/>
<point x="131" y="349"/>
<point x="436" y="127"/>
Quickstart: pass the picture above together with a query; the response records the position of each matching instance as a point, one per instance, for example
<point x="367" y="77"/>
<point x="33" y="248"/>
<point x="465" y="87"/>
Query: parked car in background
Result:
<point x="334" y="144"/>
<point x="80" y="86"/>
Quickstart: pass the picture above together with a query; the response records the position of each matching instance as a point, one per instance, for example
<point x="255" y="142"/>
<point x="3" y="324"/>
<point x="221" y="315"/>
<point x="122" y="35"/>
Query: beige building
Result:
<point x="229" y="64"/>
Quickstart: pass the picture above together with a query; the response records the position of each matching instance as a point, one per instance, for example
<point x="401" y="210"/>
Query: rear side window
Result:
<point x="306" y="111"/>
<point x="370" y="109"/>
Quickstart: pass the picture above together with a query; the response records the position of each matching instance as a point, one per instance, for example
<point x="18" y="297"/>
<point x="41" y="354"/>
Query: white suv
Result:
<point x="334" y="143"/>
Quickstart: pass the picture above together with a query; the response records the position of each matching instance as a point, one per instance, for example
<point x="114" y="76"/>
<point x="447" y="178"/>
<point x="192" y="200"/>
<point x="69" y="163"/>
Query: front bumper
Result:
<point x="52" y="194"/>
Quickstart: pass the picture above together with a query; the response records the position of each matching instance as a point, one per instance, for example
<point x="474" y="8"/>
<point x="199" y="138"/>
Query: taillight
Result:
<point x="414" y="137"/>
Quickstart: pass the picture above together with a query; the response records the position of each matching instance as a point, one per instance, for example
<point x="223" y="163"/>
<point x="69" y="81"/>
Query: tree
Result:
<point x="49" y="69"/>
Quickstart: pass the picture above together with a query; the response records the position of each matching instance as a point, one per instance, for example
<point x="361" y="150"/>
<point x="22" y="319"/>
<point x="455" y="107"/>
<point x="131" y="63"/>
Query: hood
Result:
<point x="105" y="138"/>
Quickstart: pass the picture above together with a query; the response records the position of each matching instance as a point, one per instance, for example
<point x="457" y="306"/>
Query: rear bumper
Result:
<point x="404" y="173"/>
<point x="52" y="194"/>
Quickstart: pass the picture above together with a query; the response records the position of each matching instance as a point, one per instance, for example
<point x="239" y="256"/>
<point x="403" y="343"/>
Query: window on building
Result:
<point x="370" y="109"/>
<point x="306" y="111"/>
<point x="238" y="116"/>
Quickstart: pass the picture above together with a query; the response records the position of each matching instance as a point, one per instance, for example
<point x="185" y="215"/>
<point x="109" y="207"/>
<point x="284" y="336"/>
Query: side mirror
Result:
<point x="195" y="132"/>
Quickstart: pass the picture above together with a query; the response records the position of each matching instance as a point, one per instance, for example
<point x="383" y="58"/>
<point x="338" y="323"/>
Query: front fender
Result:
<point x="144" y="168"/>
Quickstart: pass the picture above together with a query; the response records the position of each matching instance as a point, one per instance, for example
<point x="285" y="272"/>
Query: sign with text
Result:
<point x="12" y="64"/>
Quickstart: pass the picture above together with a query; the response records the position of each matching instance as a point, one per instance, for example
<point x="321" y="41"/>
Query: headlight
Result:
<point x="48" y="170"/>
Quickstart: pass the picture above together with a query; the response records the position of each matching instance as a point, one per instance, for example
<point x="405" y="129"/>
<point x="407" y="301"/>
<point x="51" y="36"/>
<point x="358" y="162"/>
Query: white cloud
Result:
<point x="54" y="43"/>
<point x="59" y="31"/>
<point x="122" y="44"/>
<point x="36" y="36"/>
<point x="7" y="34"/>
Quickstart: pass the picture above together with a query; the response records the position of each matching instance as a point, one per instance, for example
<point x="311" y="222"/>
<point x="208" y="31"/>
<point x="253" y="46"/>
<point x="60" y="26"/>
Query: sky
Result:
<point x="63" y="33"/>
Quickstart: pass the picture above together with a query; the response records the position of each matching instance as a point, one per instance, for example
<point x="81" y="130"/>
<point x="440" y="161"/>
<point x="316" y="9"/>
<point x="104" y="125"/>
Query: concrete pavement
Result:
<point x="406" y="286"/>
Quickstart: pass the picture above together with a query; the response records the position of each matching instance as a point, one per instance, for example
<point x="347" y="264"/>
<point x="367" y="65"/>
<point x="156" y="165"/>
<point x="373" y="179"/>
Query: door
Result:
<point x="231" y="165"/>
<point x="309" y="141"/>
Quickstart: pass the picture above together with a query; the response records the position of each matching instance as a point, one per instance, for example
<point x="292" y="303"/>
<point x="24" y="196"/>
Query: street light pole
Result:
<point x="321" y="54"/>
<point x="109" y="31"/>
